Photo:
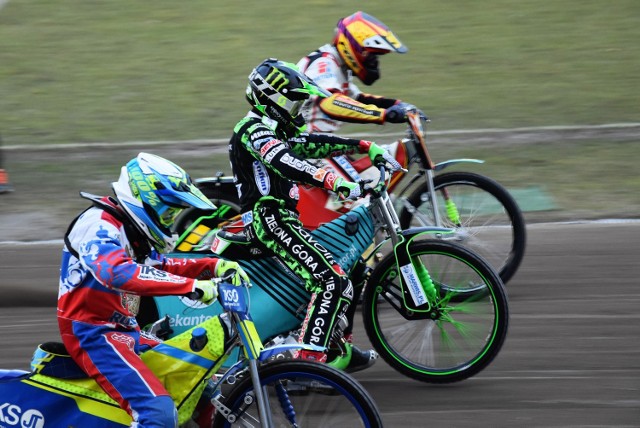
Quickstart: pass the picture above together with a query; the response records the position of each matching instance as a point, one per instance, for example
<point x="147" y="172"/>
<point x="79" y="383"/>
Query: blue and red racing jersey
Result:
<point x="101" y="286"/>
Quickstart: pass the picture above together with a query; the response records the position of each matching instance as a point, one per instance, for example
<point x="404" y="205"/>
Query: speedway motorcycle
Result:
<point x="483" y="214"/>
<point x="434" y="310"/>
<point x="258" y="390"/>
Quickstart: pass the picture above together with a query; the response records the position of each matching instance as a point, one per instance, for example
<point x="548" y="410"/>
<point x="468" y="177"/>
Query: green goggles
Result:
<point x="167" y="215"/>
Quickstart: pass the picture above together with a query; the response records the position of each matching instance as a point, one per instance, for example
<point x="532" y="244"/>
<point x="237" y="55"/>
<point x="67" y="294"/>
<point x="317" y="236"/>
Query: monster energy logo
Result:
<point x="277" y="79"/>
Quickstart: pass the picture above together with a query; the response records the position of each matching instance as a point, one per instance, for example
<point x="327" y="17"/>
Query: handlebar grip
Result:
<point x="194" y="295"/>
<point x="228" y="275"/>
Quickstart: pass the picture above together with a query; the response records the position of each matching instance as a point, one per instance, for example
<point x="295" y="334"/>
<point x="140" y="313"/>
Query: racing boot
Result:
<point x="360" y="359"/>
<point x="348" y="357"/>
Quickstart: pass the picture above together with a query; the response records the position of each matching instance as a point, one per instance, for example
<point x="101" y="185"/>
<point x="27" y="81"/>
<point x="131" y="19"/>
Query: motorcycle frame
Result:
<point x="242" y="334"/>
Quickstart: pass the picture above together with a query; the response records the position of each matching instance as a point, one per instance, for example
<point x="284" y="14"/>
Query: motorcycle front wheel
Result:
<point x="462" y="331"/>
<point x="301" y="393"/>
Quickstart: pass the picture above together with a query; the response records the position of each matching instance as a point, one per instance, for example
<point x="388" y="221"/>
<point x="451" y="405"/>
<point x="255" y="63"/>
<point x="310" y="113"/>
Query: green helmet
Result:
<point x="278" y="90"/>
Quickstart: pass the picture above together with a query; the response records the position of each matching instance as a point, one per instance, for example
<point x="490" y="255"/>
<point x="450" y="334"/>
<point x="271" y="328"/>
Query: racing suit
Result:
<point x="266" y="163"/>
<point x="99" y="284"/>
<point x="347" y="104"/>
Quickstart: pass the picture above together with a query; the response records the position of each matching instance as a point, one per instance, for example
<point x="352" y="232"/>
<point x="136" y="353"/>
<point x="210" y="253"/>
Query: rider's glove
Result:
<point x="375" y="152"/>
<point x="343" y="188"/>
<point x="347" y="189"/>
<point x="226" y="268"/>
<point x="206" y="290"/>
<point x="397" y="113"/>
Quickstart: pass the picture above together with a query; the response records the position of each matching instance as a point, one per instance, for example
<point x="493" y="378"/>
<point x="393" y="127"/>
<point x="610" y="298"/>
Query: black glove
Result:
<point x="397" y="113"/>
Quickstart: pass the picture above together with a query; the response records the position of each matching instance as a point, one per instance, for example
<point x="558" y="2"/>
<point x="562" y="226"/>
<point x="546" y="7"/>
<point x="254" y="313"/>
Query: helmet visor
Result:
<point x="296" y="106"/>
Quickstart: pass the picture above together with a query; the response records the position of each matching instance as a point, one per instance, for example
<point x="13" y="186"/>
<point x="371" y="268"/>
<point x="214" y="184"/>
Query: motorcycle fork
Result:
<point x="449" y="205"/>
<point x="418" y="290"/>
<point x="434" y="199"/>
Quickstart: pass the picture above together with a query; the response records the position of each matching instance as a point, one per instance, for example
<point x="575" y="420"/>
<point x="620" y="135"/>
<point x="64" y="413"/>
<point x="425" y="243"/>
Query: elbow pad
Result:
<point x="341" y="107"/>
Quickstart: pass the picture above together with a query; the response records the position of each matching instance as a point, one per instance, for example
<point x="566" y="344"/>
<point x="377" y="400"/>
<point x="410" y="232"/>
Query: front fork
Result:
<point x="433" y="198"/>
<point x="418" y="290"/>
<point x="449" y="205"/>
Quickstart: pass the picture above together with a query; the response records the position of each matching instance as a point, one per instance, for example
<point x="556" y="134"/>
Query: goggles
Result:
<point x="296" y="106"/>
<point x="167" y="215"/>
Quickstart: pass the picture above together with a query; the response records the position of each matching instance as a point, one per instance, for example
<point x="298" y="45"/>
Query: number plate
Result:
<point x="233" y="298"/>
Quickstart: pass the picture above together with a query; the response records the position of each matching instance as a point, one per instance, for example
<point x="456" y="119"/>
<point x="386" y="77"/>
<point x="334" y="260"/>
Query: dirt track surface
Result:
<point x="571" y="358"/>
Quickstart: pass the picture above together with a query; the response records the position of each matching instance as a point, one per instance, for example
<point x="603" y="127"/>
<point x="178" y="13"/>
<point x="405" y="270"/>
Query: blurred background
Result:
<point x="80" y="77"/>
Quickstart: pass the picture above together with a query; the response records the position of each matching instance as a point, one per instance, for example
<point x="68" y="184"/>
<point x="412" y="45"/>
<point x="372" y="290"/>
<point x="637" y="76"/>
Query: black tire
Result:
<point x="492" y="224"/>
<point x="471" y="313"/>
<point x="333" y="400"/>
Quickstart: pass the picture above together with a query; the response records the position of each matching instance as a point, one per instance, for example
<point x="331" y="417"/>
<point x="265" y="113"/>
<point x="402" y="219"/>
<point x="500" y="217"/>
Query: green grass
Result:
<point x="114" y="70"/>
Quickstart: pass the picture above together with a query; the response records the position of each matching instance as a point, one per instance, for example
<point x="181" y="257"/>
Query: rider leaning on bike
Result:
<point x="359" y="40"/>
<point x="268" y="152"/>
<point x="112" y="255"/>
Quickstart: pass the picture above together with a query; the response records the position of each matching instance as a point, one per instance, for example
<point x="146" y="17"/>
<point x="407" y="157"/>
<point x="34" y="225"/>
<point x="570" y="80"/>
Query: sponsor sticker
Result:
<point x="264" y="149"/>
<point x="150" y="273"/>
<point x="262" y="177"/>
<point x="218" y="246"/>
<point x="247" y="217"/>
<point x="294" y="193"/>
<point x="13" y="415"/>
<point x="330" y="180"/>
<point x="273" y="152"/>
<point x="347" y="167"/>
<point x="413" y="282"/>
<point x="299" y="164"/>
<point x="320" y="174"/>
<point x="259" y="134"/>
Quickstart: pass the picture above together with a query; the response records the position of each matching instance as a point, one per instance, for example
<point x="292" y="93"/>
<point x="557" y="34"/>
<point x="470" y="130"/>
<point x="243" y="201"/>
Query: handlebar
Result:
<point x="382" y="181"/>
<point x="195" y="295"/>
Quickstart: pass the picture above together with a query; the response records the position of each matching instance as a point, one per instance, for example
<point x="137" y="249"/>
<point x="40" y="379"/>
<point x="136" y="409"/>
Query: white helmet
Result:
<point x="153" y="191"/>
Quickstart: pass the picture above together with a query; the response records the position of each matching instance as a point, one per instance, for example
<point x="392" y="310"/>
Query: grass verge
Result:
<point x="116" y="70"/>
